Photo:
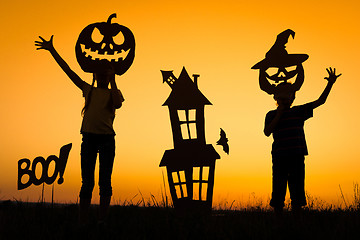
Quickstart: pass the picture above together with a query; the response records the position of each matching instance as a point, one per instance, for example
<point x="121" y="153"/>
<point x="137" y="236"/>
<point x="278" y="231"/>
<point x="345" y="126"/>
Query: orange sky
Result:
<point x="218" y="40"/>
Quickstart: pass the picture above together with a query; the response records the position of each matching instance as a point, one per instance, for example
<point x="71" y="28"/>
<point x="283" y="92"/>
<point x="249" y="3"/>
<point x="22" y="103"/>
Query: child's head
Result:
<point x="284" y="94"/>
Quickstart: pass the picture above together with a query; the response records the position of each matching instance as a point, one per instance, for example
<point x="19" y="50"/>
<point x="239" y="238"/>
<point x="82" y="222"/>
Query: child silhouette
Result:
<point x="289" y="148"/>
<point x="97" y="131"/>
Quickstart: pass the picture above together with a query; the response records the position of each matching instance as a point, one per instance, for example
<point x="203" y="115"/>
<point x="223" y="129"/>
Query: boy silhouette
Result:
<point x="289" y="149"/>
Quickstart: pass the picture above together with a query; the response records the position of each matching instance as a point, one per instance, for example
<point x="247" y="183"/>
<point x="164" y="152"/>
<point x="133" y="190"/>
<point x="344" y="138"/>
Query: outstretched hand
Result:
<point x="332" y="75"/>
<point x="43" y="44"/>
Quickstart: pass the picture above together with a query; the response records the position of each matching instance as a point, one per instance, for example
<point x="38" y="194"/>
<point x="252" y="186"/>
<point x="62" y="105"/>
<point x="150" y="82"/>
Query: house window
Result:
<point x="201" y="180"/>
<point x="180" y="184"/>
<point x="187" y="120"/>
<point x="171" y="80"/>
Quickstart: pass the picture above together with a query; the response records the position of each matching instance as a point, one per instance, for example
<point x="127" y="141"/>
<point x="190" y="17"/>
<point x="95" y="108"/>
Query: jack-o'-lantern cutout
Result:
<point x="279" y="74"/>
<point x="279" y="66"/>
<point x="105" y="45"/>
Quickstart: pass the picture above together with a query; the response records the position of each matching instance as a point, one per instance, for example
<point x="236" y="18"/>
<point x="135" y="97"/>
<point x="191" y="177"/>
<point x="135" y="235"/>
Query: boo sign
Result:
<point x="60" y="164"/>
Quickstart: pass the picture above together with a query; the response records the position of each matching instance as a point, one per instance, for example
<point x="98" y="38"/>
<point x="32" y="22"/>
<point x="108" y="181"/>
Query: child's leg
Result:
<point x="106" y="159"/>
<point x="297" y="182"/>
<point x="88" y="160"/>
<point x="279" y="183"/>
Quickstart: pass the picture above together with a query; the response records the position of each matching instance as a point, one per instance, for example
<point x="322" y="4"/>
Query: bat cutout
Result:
<point x="223" y="141"/>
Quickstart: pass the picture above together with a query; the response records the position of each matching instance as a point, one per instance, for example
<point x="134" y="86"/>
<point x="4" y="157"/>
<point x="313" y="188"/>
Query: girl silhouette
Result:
<point x="98" y="135"/>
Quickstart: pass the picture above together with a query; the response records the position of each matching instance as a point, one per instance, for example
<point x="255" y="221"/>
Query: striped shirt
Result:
<point x="289" y="136"/>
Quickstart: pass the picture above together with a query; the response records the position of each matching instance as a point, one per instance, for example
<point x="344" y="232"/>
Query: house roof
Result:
<point x="185" y="93"/>
<point x="189" y="157"/>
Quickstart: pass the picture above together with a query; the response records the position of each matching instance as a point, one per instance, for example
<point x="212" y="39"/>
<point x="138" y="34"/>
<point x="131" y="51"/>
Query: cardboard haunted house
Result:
<point x="191" y="164"/>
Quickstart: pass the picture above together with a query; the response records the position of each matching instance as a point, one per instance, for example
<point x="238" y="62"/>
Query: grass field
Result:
<point x="21" y="220"/>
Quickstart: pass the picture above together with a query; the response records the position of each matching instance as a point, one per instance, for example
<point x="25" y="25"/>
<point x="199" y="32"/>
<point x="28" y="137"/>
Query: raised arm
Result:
<point x="331" y="80"/>
<point x="48" y="45"/>
<point x="270" y="126"/>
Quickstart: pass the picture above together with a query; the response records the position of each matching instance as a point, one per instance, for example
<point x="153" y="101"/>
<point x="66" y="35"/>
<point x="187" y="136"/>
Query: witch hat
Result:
<point x="277" y="56"/>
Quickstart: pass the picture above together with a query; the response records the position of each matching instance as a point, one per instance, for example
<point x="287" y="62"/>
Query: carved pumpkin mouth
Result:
<point x="279" y="74"/>
<point x="111" y="57"/>
<point x="283" y="79"/>
<point x="280" y="79"/>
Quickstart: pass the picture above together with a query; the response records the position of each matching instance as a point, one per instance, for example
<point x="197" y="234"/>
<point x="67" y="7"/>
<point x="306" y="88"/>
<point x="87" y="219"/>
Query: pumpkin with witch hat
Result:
<point x="280" y="66"/>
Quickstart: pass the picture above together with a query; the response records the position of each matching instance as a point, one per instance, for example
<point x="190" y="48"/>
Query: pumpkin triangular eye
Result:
<point x="119" y="39"/>
<point x="272" y="71"/>
<point x="291" y="68"/>
<point x="96" y="35"/>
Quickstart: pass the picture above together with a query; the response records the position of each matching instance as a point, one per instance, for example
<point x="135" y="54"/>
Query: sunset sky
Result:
<point x="221" y="41"/>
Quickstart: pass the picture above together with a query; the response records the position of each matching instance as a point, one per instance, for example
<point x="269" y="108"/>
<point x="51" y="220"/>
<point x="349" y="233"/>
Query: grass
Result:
<point x="20" y="220"/>
<point x="150" y="219"/>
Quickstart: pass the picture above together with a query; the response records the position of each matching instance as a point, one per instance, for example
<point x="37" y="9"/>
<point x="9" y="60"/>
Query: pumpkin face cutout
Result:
<point x="293" y="75"/>
<point x="279" y="66"/>
<point x="279" y="74"/>
<point x="105" y="45"/>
